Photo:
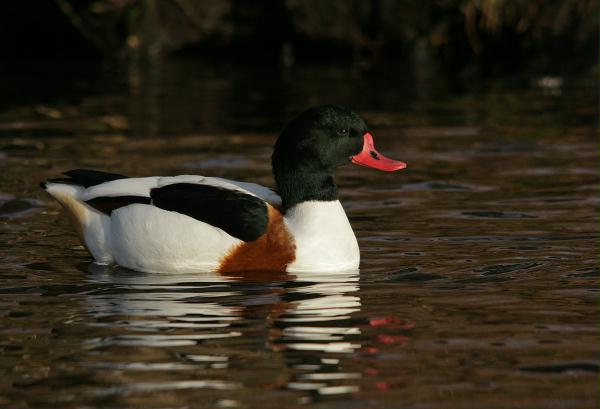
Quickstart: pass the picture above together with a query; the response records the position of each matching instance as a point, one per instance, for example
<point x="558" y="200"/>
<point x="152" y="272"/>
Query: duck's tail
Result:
<point x="88" y="222"/>
<point x="84" y="177"/>
<point x="67" y="195"/>
<point x="68" y="190"/>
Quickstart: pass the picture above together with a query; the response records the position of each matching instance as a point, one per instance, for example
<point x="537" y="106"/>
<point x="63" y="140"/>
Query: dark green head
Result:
<point x="324" y="137"/>
<point x="313" y="144"/>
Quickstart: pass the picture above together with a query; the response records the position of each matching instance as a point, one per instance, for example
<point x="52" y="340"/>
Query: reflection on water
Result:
<point x="309" y="324"/>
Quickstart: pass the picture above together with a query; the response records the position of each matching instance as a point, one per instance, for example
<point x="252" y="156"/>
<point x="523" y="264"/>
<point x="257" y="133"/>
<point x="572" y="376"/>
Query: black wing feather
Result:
<point x="239" y="214"/>
<point x="108" y="204"/>
<point x="88" y="177"/>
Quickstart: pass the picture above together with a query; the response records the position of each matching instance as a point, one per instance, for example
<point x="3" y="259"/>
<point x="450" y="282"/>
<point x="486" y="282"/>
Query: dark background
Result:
<point x="464" y="39"/>
<point x="220" y="64"/>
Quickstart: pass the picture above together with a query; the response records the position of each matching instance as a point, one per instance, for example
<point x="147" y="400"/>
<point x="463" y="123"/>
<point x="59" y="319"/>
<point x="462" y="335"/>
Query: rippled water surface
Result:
<point x="479" y="276"/>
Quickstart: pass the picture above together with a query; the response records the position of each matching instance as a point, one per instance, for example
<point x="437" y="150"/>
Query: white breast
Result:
<point x="324" y="238"/>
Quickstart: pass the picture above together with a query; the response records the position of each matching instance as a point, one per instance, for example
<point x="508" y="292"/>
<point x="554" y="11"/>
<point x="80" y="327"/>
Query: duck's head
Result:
<point x="313" y="144"/>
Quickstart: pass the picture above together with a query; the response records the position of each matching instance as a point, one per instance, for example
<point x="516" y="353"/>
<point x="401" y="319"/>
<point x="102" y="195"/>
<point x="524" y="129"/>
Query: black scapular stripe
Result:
<point x="88" y="177"/>
<point x="239" y="214"/>
<point x="107" y="204"/>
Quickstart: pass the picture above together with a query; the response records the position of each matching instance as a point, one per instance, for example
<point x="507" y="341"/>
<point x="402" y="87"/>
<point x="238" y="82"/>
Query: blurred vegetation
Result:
<point x="486" y="36"/>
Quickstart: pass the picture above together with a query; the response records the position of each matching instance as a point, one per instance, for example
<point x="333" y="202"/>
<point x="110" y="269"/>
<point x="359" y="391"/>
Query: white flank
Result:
<point x="150" y="239"/>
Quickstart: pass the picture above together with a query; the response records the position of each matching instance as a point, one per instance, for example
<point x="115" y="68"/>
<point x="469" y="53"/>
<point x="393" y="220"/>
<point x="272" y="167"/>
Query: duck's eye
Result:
<point x="342" y="132"/>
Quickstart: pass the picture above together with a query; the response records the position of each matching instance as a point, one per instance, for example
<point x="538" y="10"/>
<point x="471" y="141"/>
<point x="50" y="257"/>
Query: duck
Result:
<point x="194" y="223"/>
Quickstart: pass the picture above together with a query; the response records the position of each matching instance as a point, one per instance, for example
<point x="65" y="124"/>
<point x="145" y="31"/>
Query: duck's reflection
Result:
<point x="304" y="327"/>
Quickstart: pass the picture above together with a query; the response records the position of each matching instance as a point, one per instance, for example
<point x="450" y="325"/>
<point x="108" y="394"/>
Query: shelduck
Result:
<point x="192" y="223"/>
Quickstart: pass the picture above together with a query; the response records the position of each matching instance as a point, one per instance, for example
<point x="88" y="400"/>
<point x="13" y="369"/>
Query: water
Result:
<point x="479" y="273"/>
